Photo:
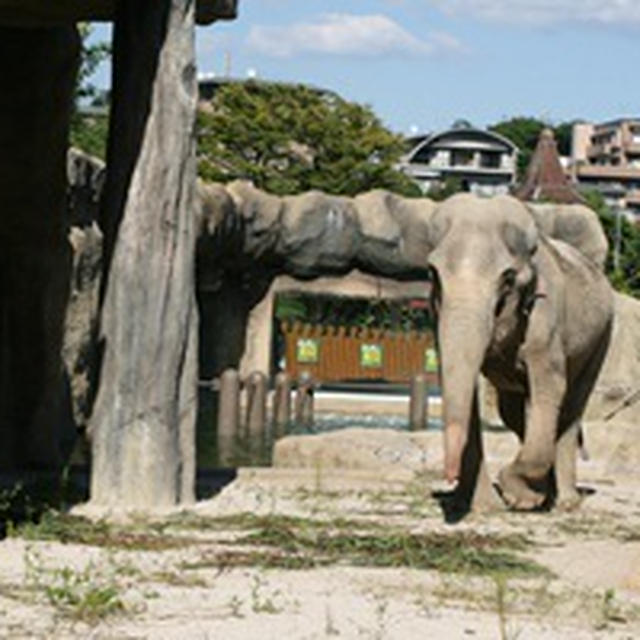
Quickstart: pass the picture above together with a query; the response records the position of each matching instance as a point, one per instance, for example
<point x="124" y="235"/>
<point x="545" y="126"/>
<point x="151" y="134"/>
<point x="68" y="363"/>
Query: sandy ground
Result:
<point x="592" y="589"/>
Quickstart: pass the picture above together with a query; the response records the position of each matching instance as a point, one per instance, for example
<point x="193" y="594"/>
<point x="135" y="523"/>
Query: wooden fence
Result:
<point x="333" y="354"/>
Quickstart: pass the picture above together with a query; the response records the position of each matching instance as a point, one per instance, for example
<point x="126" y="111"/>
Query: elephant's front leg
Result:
<point x="475" y="491"/>
<point x="524" y="483"/>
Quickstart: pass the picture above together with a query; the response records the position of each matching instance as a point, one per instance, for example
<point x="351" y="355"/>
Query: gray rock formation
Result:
<point x="80" y="347"/>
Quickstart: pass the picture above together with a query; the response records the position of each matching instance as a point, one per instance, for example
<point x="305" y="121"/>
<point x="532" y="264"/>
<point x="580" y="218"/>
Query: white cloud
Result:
<point x="346" y="34"/>
<point x="545" y="12"/>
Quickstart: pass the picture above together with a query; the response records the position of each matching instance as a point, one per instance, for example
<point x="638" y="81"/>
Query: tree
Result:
<point x="442" y="190"/>
<point x="624" y="246"/>
<point x="89" y="132"/>
<point x="291" y="138"/>
<point x="524" y="133"/>
<point x="92" y="55"/>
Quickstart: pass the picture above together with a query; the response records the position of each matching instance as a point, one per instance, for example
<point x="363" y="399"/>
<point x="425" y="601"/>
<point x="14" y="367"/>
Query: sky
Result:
<point x="422" y="64"/>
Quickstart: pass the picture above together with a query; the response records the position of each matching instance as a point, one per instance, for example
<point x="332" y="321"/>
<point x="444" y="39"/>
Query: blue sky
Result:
<point x="421" y="64"/>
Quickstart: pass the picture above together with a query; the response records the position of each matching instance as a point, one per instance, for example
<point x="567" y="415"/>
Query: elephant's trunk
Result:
<point x="464" y="331"/>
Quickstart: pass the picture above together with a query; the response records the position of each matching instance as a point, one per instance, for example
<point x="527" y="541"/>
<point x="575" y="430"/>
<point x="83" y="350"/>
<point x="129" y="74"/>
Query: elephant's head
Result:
<point x="482" y="256"/>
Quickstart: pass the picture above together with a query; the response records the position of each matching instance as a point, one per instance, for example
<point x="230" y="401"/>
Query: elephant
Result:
<point x="520" y="293"/>
<point x="534" y="315"/>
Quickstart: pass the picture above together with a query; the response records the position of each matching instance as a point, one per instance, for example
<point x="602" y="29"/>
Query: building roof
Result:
<point x="462" y="135"/>
<point x="545" y="179"/>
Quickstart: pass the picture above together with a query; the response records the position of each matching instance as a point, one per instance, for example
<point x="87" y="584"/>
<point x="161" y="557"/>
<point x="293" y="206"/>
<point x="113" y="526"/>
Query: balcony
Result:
<point x="633" y="198"/>
<point x="608" y="171"/>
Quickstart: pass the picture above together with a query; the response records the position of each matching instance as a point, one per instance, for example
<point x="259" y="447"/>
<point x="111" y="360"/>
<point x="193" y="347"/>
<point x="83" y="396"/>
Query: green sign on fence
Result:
<point x="371" y="355"/>
<point x="431" y="360"/>
<point x="307" y="350"/>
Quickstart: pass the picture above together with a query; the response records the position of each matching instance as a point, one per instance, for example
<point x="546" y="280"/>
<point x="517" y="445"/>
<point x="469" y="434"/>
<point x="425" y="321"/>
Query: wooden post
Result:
<point x="304" y="400"/>
<point x="143" y="423"/>
<point x="281" y="403"/>
<point x="417" y="403"/>
<point x="256" y="408"/>
<point x="228" y="416"/>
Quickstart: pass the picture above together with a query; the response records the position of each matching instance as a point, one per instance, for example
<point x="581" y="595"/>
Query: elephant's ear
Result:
<point x="396" y="234"/>
<point x="574" y="224"/>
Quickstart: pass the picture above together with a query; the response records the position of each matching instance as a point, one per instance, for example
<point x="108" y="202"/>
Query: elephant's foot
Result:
<point x="478" y="495"/>
<point x="517" y="492"/>
<point x="567" y="499"/>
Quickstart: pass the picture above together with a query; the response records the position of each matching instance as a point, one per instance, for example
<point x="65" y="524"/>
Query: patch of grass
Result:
<point x="70" y="529"/>
<point x="271" y="559"/>
<point x="261" y="601"/>
<point x="460" y="552"/>
<point x="175" y="579"/>
<point x="89" y="594"/>
<point x="248" y="521"/>
<point x="610" y="611"/>
<point x="597" y="526"/>
<point x="299" y="543"/>
<point x="73" y="594"/>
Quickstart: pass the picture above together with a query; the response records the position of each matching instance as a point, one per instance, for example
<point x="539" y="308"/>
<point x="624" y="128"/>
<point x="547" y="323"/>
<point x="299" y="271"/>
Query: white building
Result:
<point x="483" y="162"/>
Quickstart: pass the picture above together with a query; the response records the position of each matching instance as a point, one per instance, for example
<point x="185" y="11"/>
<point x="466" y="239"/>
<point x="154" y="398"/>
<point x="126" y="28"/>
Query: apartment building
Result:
<point x="606" y="157"/>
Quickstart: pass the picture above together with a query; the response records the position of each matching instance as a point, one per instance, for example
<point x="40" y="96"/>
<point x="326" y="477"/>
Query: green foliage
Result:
<point x="462" y="552"/>
<point x="69" y="529"/>
<point x="524" y="133"/>
<point x="624" y="239"/>
<point x="443" y="190"/>
<point x="352" y="312"/>
<point x="290" y="138"/>
<point x="88" y="595"/>
<point x="89" y="133"/>
<point x="303" y="543"/>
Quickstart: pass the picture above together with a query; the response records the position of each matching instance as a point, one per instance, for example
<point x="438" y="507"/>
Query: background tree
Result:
<point x="89" y="131"/>
<point x="524" y="133"/>
<point x="291" y="138"/>
<point x="623" y="260"/>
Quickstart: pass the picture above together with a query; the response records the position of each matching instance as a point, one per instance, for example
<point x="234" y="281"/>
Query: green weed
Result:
<point x="89" y="595"/>
<point x="70" y="529"/>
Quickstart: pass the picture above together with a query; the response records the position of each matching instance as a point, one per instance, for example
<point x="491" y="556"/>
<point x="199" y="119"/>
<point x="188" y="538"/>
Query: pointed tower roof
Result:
<point x="545" y="179"/>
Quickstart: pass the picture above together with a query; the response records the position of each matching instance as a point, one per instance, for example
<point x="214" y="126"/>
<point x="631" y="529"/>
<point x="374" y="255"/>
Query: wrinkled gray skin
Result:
<point x="534" y="315"/>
